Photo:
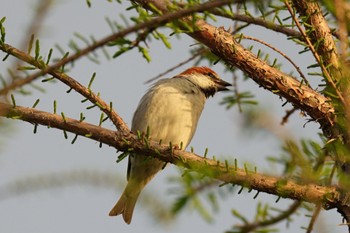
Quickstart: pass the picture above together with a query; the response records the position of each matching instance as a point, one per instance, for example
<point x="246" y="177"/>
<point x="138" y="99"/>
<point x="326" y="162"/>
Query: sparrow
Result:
<point x="169" y="111"/>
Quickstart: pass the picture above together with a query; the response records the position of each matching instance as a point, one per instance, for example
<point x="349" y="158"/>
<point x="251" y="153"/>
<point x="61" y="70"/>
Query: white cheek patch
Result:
<point x="201" y="80"/>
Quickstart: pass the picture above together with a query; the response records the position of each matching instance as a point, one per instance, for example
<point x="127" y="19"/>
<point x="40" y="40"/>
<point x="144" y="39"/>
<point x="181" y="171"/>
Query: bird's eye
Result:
<point x="211" y="75"/>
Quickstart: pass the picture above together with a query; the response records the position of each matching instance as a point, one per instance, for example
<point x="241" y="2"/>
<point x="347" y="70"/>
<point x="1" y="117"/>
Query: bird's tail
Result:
<point x="126" y="204"/>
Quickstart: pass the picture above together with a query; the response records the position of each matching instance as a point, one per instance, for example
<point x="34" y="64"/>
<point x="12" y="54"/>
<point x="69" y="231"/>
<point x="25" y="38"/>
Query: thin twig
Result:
<point x="249" y="227"/>
<point x="258" y="21"/>
<point x="196" y="54"/>
<point x="33" y="28"/>
<point x="72" y="83"/>
<point x="282" y="54"/>
<point x="288" y="114"/>
<point x="159" y="21"/>
<point x="314" y="217"/>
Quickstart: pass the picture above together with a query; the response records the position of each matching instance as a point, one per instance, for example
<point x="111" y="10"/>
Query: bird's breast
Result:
<point x="171" y="115"/>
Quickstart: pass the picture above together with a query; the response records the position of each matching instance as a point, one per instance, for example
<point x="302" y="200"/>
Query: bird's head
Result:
<point x="205" y="79"/>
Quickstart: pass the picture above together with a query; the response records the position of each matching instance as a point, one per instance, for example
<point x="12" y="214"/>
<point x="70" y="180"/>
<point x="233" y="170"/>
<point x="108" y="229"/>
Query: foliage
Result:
<point x="319" y="90"/>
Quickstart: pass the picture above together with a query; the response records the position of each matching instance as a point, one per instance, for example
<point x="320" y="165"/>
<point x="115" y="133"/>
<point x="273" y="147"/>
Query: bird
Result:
<point x="168" y="112"/>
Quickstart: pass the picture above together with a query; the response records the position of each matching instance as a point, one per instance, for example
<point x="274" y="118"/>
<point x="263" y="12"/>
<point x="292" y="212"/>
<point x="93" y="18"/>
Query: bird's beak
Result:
<point x="222" y="85"/>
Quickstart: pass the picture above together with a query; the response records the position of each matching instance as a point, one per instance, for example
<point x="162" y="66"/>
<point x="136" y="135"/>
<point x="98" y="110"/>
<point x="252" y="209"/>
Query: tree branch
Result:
<point x="224" y="45"/>
<point x="320" y="32"/>
<point x="327" y="56"/>
<point x="331" y="80"/>
<point x="260" y="22"/>
<point x="72" y="83"/>
<point x="283" y="187"/>
<point x="250" y="227"/>
<point x="153" y="23"/>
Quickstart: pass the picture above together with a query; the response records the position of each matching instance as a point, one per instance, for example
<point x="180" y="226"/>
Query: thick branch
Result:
<point x="320" y="33"/>
<point x="272" y="79"/>
<point x="282" y="187"/>
<point x="223" y="44"/>
<point x="311" y="46"/>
